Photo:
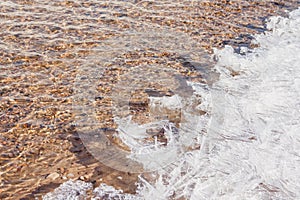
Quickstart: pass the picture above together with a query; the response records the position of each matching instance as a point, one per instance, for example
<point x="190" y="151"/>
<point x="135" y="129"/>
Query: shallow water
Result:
<point x="250" y="147"/>
<point x="71" y="66"/>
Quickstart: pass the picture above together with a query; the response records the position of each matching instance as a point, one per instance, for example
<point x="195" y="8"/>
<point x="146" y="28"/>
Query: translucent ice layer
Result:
<point x="251" y="148"/>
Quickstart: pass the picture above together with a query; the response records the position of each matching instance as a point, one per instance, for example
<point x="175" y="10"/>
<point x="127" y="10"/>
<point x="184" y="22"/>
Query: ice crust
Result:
<point x="251" y="149"/>
<point x="70" y="190"/>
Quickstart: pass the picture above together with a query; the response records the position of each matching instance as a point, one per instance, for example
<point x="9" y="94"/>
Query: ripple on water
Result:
<point x="46" y="45"/>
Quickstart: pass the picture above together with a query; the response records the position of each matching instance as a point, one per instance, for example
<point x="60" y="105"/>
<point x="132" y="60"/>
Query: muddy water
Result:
<point x="46" y="48"/>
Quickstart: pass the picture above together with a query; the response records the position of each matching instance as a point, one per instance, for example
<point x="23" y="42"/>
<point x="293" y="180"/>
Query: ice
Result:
<point x="70" y="190"/>
<point x="251" y="148"/>
<point x="110" y="193"/>
<point x="155" y="155"/>
<point x="173" y="102"/>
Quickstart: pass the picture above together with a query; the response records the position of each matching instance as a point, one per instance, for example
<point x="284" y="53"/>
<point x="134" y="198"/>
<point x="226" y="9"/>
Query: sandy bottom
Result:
<point x="44" y="45"/>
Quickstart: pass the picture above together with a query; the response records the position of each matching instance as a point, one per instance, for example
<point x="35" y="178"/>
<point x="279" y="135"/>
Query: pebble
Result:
<point x="70" y="175"/>
<point x="53" y="176"/>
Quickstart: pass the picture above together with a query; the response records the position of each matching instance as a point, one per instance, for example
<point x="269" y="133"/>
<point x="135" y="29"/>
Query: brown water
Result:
<point x="47" y="47"/>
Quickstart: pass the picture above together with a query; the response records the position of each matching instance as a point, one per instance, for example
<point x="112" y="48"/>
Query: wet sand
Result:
<point x="44" y="44"/>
